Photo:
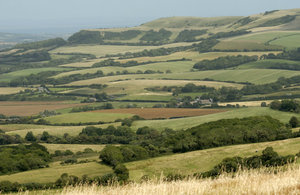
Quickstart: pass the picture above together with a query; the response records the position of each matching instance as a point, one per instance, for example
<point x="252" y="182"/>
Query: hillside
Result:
<point x="171" y="96"/>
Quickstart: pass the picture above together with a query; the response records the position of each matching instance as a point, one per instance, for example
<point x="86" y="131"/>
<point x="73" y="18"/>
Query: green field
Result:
<point x="255" y="76"/>
<point x="55" y="170"/>
<point x="204" y="160"/>
<point x="184" y="123"/>
<point x="292" y="41"/>
<point x="185" y="163"/>
<point x="86" y="117"/>
<point x="264" y="64"/>
<point x="13" y="75"/>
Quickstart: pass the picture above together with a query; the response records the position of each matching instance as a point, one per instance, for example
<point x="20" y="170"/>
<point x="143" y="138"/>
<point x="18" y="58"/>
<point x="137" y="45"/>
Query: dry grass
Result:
<point x="152" y="113"/>
<point x="10" y="90"/>
<point x="261" y="181"/>
<point x="10" y="108"/>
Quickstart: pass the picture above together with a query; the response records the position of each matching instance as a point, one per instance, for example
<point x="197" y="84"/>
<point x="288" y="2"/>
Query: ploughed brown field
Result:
<point x="155" y="113"/>
<point x="11" y="108"/>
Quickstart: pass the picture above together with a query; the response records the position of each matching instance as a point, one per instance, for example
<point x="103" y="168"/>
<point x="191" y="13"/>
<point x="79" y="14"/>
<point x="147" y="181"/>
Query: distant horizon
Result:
<point x="69" y="16"/>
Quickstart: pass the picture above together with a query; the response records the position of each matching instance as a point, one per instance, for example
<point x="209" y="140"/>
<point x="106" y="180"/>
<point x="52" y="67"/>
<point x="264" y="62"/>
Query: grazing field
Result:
<point x="255" y="76"/>
<point x="292" y="41"/>
<point x="6" y="77"/>
<point x="24" y="108"/>
<point x="245" y="45"/>
<point x="10" y="90"/>
<point x="52" y="130"/>
<point x="204" y="160"/>
<point x="152" y="113"/>
<point x="86" y="117"/>
<point x="51" y="174"/>
<point x="248" y="104"/>
<point x="101" y="50"/>
<point x="185" y="163"/>
<point x="184" y="123"/>
<point x="194" y="56"/>
<point x="265" y="64"/>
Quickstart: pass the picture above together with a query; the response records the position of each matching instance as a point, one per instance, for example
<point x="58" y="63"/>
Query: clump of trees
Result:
<point x="86" y="37"/>
<point x="224" y="62"/>
<point x="279" y="21"/>
<point x="23" y="157"/>
<point x="189" y="35"/>
<point x="286" y="105"/>
<point x="269" y="158"/>
<point x="156" y="36"/>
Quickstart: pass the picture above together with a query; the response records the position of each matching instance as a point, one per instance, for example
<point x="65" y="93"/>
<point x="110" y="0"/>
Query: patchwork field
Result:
<point x="152" y="113"/>
<point x="24" y="108"/>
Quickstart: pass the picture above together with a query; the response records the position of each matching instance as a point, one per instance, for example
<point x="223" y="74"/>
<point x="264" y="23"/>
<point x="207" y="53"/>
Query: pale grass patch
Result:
<point x="262" y="181"/>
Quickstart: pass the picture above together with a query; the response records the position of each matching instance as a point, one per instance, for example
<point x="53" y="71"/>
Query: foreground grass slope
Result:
<point x="185" y="163"/>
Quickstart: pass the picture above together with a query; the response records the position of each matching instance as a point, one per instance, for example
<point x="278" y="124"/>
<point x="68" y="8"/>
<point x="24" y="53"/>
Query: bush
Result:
<point x="121" y="172"/>
<point x="294" y="122"/>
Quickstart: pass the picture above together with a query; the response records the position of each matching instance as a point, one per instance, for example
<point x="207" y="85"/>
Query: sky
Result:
<point x="67" y="16"/>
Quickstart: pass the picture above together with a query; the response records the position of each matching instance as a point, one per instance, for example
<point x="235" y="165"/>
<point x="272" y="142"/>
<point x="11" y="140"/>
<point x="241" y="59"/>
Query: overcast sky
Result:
<point x="38" y="16"/>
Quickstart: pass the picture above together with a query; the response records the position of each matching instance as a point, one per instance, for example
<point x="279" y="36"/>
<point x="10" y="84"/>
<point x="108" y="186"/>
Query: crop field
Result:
<point x="152" y="113"/>
<point x="85" y="117"/>
<point x="184" y="123"/>
<point x="85" y="64"/>
<point x="10" y="90"/>
<point x="24" y="108"/>
<point x="6" y="77"/>
<point x="73" y="147"/>
<point x="248" y="104"/>
<point x="52" y="130"/>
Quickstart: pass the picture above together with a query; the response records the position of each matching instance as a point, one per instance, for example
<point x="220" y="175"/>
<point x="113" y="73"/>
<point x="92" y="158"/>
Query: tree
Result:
<point x="30" y="137"/>
<point x="111" y="155"/>
<point x="263" y="104"/>
<point x="121" y="172"/>
<point x="294" y="122"/>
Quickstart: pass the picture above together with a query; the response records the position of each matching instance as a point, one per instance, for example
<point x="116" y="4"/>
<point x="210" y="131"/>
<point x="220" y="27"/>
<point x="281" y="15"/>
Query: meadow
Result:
<point x="184" y="123"/>
<point x="152" y="113"/>
<point x="10" y="90"/>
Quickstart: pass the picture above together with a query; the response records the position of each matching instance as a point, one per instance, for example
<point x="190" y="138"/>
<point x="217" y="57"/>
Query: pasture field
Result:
<point x="265" y="37"/>
<point x="292" y="41"/>
<point x="245" y="45"/>
<point x="24" y="108"/>
<point x="51" y="174"/>
<point x="10" y="90"/>
<point x="6" y="77"/>
<point x="103" y="50"/>
<point x="152" y="113"/>
<point x="248" y="104"/>
<point x="147" y="96"/>
<point x="204" y="160"/>
<point x="184" y="123"/>
<point x="265" y="64"/>
<point x="84" y="64"/>
<point x="86" y="117"/>
<point x="185" y="163"/>
<point x="255" y="76"/>
<point x="194" y="56"/>
<point x="52" y="130"/>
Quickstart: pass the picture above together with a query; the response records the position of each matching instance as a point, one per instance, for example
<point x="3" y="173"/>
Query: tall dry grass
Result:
<point x="262" y="181"/>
